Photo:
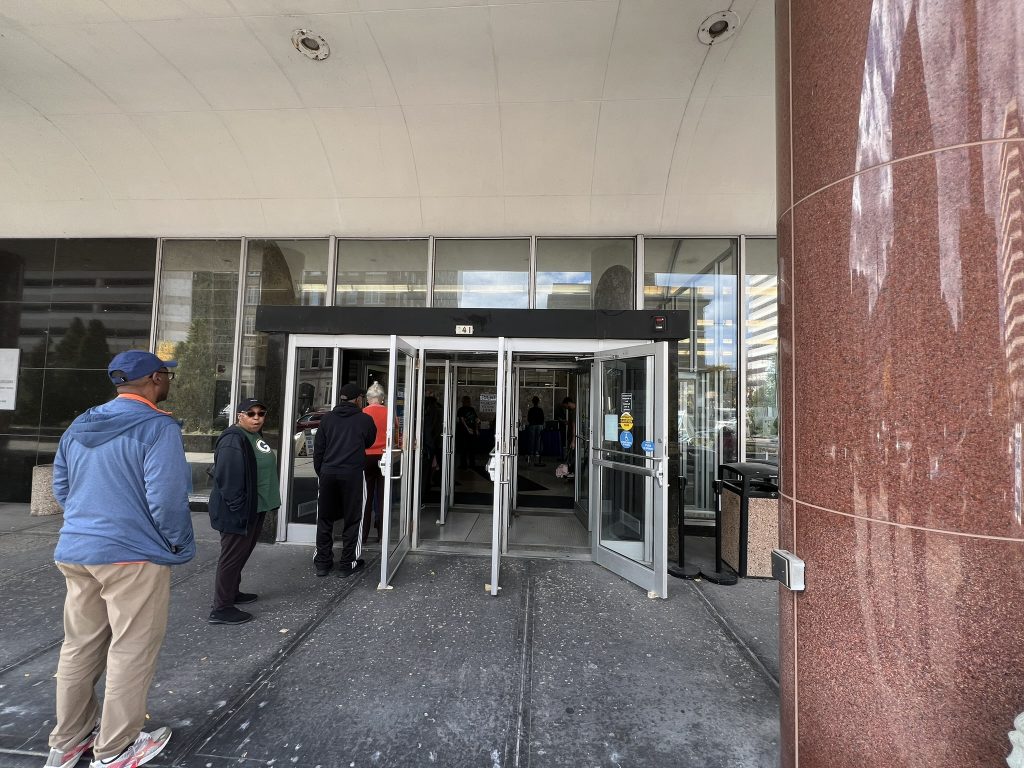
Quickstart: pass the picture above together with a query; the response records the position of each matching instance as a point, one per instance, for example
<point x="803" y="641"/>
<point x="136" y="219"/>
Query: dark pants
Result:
<point x="235" y="549"/>
<point x="340" y="499"/>
<point x="465" y="446"/>
<point x="373" y="508"/>
<point x="534" y="439"/>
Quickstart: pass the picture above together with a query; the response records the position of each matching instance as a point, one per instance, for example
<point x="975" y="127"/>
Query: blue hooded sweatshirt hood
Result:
<point x="101" y="424"/>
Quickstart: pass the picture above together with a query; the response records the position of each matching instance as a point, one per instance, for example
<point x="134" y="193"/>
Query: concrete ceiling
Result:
<point x="445" y="117"/>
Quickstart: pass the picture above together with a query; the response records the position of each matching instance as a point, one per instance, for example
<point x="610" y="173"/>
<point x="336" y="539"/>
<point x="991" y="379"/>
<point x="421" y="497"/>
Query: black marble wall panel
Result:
<point x="69" y="306"/>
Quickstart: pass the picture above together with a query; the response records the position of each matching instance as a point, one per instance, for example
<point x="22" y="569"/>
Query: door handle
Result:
<point x="385" y="464"/>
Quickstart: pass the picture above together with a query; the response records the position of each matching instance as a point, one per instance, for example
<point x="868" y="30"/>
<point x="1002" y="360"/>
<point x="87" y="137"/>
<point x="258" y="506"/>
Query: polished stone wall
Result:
<point x="901" y="201"/>
<point x="69" y="306"/>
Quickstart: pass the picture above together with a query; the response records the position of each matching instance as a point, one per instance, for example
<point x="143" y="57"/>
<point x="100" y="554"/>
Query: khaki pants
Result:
<point x="115" y="617"/>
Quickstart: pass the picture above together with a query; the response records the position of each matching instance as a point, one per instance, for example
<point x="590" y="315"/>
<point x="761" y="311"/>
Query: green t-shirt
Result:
<point x="266" y="474"/>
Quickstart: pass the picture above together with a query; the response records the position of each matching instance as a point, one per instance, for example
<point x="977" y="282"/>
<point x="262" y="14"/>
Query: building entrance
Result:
<point x="502" y="447"/>
<point x="457" y="490"/>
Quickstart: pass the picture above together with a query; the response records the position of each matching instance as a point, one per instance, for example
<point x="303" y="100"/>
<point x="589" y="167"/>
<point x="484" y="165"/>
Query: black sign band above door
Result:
<point x="486" y="323"/>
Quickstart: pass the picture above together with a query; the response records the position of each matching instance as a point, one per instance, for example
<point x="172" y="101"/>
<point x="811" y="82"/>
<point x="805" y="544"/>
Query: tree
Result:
<point x="192" y="397"/>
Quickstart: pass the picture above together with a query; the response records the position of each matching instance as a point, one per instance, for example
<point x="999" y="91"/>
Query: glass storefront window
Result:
<point x="585" y="274"/>
<point x="381" y="273"/>
<point x="482" y="273"/>
<point x="196" y="327"/>
<point x="699" y="274"/>
<point x="761" y="283"/>
<point x="277" y="273"/>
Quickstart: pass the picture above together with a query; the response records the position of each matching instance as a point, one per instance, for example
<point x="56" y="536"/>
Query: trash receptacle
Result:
<point x="42" y="501"/>
<point x="749" y="516"/>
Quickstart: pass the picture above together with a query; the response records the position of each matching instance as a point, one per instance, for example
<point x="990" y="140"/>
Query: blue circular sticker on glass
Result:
<point x="626" y="439"/>
<point x="647" y="446"/>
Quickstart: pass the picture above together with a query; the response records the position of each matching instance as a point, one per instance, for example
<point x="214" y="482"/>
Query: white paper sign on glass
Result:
<point x="9" y="378"/>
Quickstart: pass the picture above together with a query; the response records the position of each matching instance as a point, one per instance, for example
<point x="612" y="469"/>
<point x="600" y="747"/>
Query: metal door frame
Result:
<point x="302" y="532"/>
<point x="498" y="465"/>
<point x="447" y="441"/>
<point x="654" y="578"/>
<point x="408" y="457"/>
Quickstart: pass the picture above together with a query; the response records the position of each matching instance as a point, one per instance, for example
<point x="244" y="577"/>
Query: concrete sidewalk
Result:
<point x="569" y="666"/>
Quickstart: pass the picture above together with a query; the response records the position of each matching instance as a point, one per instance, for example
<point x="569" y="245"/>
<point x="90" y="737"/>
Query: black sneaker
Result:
<point x="323" y="570"/>
<point x="229" y="615"/>
<point x="344" y="573"/>
<point x="245" y="597"/>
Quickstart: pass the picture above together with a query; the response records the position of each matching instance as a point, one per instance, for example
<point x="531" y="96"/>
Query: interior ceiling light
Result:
<point x="310" y="45"/>
<point x="718" y="27"/>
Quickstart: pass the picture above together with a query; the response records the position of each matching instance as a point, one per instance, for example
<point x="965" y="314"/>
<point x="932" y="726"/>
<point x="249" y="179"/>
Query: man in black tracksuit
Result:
<point x="339" y="455"/>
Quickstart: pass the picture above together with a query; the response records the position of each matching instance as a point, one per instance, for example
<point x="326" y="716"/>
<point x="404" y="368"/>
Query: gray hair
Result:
<point x="376" y="392"/>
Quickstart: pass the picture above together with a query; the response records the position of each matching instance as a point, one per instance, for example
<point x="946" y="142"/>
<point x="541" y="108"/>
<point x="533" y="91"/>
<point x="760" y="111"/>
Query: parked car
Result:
<point x="310" y="420"/>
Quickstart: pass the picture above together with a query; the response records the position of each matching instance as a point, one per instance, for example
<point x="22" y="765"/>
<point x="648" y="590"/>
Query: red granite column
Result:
<point x="901" y="241"/>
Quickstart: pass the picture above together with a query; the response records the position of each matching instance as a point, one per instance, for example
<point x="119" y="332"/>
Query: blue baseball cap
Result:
<point x="135" y="364"/>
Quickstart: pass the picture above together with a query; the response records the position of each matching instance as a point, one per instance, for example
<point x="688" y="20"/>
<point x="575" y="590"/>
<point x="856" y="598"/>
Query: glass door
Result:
<point x="500" y="465"/>
<point x="578" y="436"/>
<point x="510" y="430"/>
<point x="447" y="457"/>
<point x="312" y="387"/>
<point x="516" y="417"/>
<point x="398" y="461"/>
<point x="629" y="459"/>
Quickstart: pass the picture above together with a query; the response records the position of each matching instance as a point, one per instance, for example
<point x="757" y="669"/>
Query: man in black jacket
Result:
<point x="245" y="488"/>
<point x="339" y="454"/>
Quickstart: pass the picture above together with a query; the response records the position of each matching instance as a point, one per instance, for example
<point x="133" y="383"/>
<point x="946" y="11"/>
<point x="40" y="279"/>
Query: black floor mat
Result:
<point x="545" y="502"/>
<point x="525" y="484"/>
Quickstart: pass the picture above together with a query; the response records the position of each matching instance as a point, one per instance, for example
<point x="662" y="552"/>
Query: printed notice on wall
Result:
<point x="8" y="378"/>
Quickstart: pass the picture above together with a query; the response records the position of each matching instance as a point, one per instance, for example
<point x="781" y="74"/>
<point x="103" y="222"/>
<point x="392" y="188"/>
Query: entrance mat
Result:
<point x="525" y="485"/>
<point x="546" y="502"/>
<point x="472" y="498"/>
<point x="467" y="498"/>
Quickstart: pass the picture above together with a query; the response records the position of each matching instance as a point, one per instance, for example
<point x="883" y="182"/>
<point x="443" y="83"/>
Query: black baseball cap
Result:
<point x="351" y="391"/>
<point x="248" y="403"/>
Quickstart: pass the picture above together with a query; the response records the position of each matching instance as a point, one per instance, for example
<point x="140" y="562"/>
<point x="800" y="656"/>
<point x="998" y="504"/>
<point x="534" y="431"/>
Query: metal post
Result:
<point x="682" y="570"/>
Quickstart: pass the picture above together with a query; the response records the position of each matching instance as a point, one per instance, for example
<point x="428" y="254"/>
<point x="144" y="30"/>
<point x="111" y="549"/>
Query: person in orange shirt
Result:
<point x="373" y="507"/>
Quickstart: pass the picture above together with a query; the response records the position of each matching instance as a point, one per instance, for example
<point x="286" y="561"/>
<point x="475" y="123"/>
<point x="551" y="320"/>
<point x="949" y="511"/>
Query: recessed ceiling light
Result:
<point x="718" y="27"/>
<point x="310" y="45"/>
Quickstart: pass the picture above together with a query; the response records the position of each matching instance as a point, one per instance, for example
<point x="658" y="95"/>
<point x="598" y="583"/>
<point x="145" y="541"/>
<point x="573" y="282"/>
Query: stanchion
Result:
<point x="722" y="574"/>
<point x="682" y="570"/>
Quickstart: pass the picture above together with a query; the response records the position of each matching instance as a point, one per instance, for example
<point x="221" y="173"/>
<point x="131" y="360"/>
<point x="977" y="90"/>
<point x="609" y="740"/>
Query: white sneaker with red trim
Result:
<point x="68" y="757"/>
<point x="146" y="747"/>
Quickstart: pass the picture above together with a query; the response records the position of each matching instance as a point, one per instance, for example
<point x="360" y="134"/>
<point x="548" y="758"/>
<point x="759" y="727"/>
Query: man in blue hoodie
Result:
<point x="120" y="474"/>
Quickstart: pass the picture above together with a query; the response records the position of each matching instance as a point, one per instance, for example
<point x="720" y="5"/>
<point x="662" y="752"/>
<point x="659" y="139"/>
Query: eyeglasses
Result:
<point x="255" y="414"/>
<point x="168" y="374"/>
